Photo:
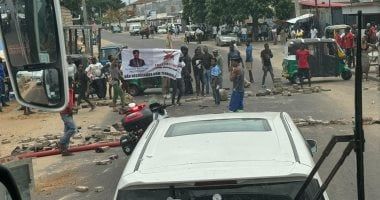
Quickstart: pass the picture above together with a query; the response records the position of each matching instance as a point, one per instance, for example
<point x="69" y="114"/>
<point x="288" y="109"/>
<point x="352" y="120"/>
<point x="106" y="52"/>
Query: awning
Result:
<point x="322" y="4"/>
<point x="299" y="18"/>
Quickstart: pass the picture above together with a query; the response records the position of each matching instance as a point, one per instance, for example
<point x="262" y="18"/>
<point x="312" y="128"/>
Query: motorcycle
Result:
<point x="137" y="120"/>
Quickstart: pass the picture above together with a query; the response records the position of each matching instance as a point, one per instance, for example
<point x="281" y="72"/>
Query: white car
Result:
<point x="162" y="30"/>
<point x="219" y="156"/>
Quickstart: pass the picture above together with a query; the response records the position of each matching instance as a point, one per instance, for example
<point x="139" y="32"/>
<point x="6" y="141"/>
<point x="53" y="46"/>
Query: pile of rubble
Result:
<point x="94" y="134"/>
<point x="312" y="122"/>
<point x="278" y="89"/>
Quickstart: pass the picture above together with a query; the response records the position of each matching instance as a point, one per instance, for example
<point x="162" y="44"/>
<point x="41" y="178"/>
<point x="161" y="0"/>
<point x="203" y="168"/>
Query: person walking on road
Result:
<point x="237" y="78"/>
<point x="249" y="60"/>
<point x="187" y="70"/>
<point x="302" y="56"/>
<point x="177" y="83"/>
<point x="215" y="80"/>
<point x="266" y="55"/>
<point x="116" y="77"/>
<point x="82" y="80"/>
<point x="313" y="33"/>
<point x="198" y="71"/>
<point x="94" y="71"/>
<point x="69" y="124"/>
<point x="219" y="62"/>
<point x="206" y="62"/>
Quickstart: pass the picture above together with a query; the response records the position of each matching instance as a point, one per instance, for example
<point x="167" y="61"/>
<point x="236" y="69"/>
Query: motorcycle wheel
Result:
<point x="127" y="149"/>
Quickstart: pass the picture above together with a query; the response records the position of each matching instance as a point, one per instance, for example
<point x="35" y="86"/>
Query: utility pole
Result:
<point x="145" y="13"/>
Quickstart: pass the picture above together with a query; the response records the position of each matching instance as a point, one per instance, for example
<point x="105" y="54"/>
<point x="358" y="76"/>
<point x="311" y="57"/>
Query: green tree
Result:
<point x="284" y="9"/>
<point x="187" y="10"/>
<point x="198" y="11"/>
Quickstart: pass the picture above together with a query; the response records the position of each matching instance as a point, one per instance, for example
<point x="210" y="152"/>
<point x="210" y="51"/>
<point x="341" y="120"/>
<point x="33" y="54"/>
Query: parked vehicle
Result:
<point x="138" y="86"/>
<point x="113" y="50"/>
<point x="136" y="121"/>
<point x="162" y="30"/>
<point x="226" y="39"/>
<point x="134" y="29"/>
<point x="324" y="60"/>
<point x="220" y="156"/>
<point x="116" y="29"/>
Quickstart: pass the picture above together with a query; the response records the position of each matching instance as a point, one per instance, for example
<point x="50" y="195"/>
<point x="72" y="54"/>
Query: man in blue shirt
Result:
<point x="249" y="60"/>
<point x="215" y="80"/>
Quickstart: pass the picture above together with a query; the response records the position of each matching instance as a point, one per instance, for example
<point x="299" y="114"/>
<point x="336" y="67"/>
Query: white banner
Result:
<point x="144" y="63"/>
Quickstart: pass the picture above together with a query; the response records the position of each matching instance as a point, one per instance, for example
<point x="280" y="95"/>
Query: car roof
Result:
<point x="339" y="26"/>
<point x="309" y="40"/>
<point x="279" y="152"/>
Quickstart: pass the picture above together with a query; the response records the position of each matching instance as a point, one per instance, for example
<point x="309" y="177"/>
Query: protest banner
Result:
<point x="145" y="63"/>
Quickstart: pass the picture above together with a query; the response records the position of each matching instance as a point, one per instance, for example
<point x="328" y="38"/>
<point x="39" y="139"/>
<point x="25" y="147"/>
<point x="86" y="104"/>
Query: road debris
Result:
<point x="99" y="189"/>
<point x="113" y="157"/>
<point x="81" y="188"/>
<point x="102" y="149"/>
<point x="103" y="162"/>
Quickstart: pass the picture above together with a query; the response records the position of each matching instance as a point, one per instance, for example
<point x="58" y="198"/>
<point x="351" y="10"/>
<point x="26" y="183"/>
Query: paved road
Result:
<point x="336" y="104"/>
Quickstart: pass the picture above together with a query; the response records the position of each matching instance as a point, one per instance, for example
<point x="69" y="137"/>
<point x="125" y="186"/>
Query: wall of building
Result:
<point x="67" y="18"/>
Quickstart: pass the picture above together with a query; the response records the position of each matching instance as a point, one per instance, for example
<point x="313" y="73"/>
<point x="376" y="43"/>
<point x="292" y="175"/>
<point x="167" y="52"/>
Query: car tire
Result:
<point x="346" y="75"/>
<point x="134" y="90"/>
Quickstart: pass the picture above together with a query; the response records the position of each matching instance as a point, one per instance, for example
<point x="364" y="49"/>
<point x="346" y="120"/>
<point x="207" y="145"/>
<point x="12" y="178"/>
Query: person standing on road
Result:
<point x="82" y="80"/>
<point x="199" y="34"/>
<point x="347" y="42"/>
<point x="177" y="83"/>
<point x="266" y="55"/>
<point x="274" y="34"/>
<point x="94" y="71"/>
<point x="166" y="80"/>
<point x="219" y="62"/>
<point x="232" y="53"/>
<point x="237" y="78"/>
<point x="187" y="70"/>
<point x="214" y="31"/>
<point x="206" y="62"/>
<point x="106" y="72"/>
<point x="69" y="124"/>
<point x="249" y="60"/>
<point x="302" y="56"/>
<point x="116" y="77"/>
<point x="198" y="71"/>
<point x="215" y="80"/>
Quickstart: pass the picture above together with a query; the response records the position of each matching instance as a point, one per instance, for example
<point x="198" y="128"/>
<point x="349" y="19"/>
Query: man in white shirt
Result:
<point x="94" y="72"/>
<point x="313" y="33"/>
<point x="177" y="83"/>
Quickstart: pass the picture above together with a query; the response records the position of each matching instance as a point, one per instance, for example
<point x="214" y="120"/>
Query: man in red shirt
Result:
<point x="70" y="127"/>
<point x="302" y="56"/>
<point x="348" y="45"/>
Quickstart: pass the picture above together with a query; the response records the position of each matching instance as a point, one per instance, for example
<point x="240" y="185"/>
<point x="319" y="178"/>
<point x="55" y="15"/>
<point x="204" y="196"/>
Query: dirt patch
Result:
<point x="50" y="183"/>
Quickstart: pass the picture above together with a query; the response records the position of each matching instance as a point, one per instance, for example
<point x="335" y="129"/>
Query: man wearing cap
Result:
<point x="237" y="78"/>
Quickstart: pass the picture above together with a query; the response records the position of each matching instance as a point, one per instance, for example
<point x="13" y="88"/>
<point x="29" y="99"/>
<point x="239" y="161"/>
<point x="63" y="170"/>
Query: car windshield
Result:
<point x="107" y="52"/>
<point x="269" y="191"/>
<point x="218" y="126"/>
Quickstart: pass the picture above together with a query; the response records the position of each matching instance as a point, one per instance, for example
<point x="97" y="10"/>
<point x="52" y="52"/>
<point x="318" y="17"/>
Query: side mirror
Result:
<point x="35" y="54"/>
<point x="8" y="187"/>
<point x="312" y="146"/>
